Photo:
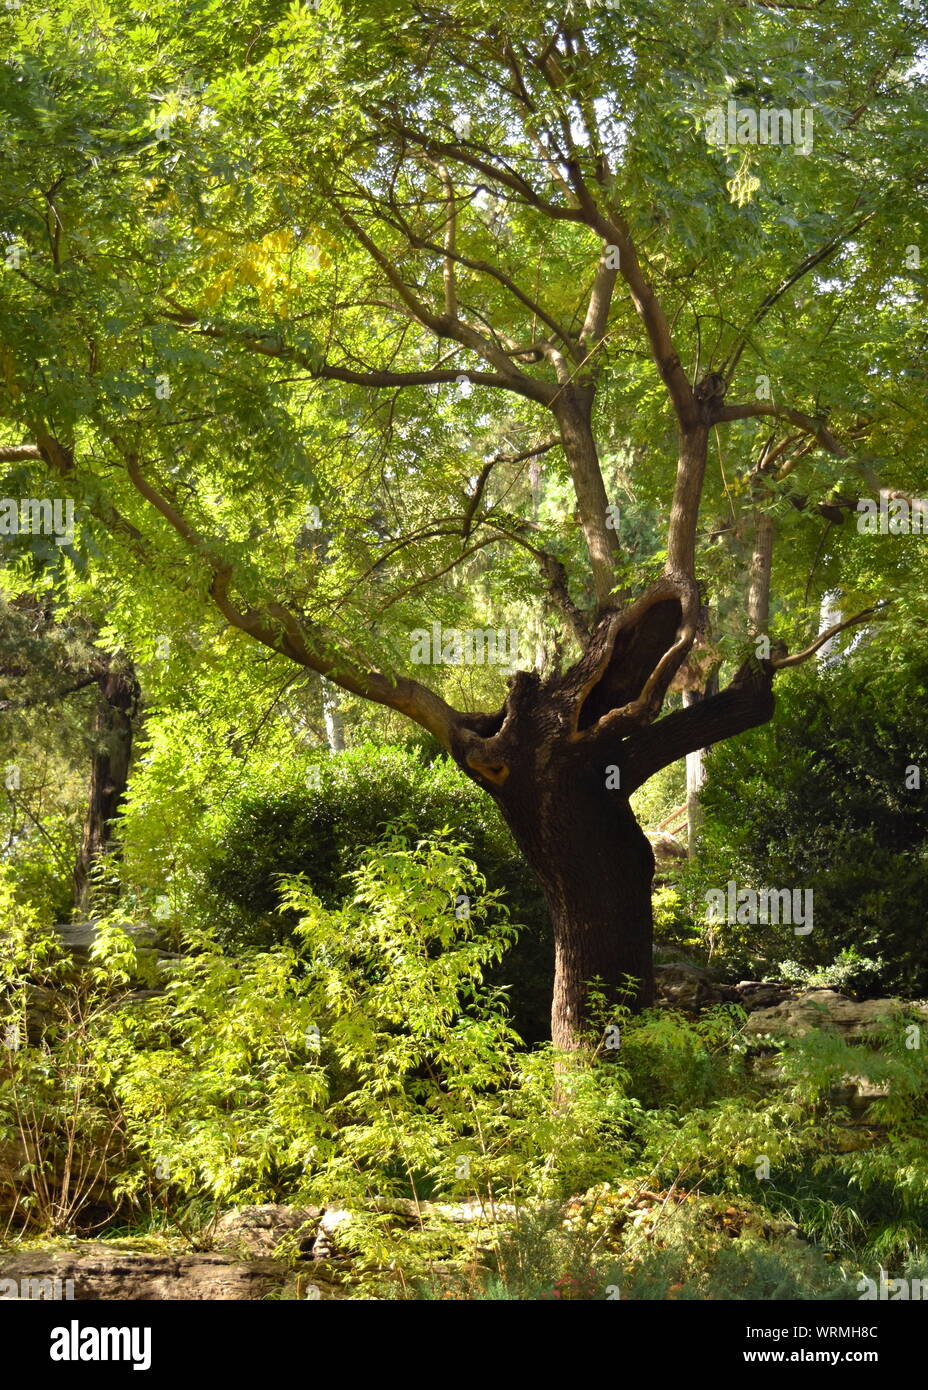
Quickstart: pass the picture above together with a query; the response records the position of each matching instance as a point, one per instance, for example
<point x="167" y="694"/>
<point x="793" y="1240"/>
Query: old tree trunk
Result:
<point x="561" y="760"/>
<point x="595" y="866"/>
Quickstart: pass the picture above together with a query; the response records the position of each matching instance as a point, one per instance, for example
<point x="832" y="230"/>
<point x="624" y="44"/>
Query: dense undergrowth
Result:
<point x="363" y="1060"/>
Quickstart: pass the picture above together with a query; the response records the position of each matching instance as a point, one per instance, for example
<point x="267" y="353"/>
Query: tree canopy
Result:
<point x="340" y="321"/>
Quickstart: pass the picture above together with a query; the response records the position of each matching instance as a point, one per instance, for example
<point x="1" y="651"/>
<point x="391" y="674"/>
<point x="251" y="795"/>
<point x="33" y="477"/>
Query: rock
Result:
<point x="468" y="1213"/>
<point x="331" y="1238"/>
<point x="857" y="1093"/>
<point x="78" y="937"/>
<point x="667" y="850"/>
<point x="825" y="1008"/>
<point x="761" y="994"/>
<point x="102" y="1272"/>
<point x="866" y="1090"/>
<point x="332" y="1218"/>
<point x="320" y="1238"/>
<point x="461" y="1213"/>
<point x="690" y="987"/>
<point x="259" y="1230"/>
<point x="665" y="846"/>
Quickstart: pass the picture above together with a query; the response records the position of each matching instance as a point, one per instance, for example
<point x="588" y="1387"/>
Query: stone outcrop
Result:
<point x="825" y="1008"/>
<point x="103" y="1272"/>
<point x="776" y="1008"/>
<point x="690" y="988"/>
<point x="667" y="850"/>
<point x="258" y="1231"/>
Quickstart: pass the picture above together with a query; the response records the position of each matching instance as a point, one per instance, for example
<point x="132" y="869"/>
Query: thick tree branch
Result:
<point x="597" y="313"/>
<point x="744" y="704"/>
<point x="760" y="574"/>
<point x="467" y="154"/>
<point x="16" y="453"/>
<point x="276" y="627"/>
<point x="451" y="225"/>
<point x="684" y="507"/>
<point x="51" y="697"/>
<point x="373" y="378"/>
<point x="613" y="229"/>
<point x="754" y="409"/>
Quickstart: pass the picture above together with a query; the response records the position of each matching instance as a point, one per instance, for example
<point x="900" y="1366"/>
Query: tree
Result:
<point x="43" y="661"/>
<point x="329" y="215"/>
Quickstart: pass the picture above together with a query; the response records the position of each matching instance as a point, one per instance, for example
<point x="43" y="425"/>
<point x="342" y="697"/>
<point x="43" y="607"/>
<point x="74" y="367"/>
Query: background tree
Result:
<point x="43" y="662"/>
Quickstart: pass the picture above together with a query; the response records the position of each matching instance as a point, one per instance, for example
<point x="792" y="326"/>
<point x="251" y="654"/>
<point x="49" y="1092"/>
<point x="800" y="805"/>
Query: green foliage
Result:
<point x="310" y="1061"/>
<point x="61" y="1130"/>
<point x="674" y="1063"/>
<point x="736" y="1270"/>
<point x="364" y="1062"/>
<point x="321" y="815"/>
<point x="315" y="819"/>
<point x="848" y="972"/>
<point x="818" y="799"/>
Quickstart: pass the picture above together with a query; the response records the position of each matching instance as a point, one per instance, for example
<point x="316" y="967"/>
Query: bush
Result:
<point x="322" y="817"/>
<point x="818" y="799"/>
<point x="363" y="1061"/>
<point x="61" y="1130"/>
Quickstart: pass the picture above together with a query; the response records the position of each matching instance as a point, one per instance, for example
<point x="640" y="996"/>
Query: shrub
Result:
<point x="818" y="799"/>
<point x="364" y="1061"/>
<point x="61" y="1129"/>
<point x="317" y="820"/>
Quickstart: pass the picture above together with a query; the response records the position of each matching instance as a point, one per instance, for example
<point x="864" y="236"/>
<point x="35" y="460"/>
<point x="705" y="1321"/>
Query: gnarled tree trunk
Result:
<point x="595" y="866"/>
<point x="562" y="758"/>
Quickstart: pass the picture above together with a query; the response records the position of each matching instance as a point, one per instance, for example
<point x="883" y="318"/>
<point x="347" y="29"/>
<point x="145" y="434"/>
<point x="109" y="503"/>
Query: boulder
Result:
<point x="258" y="1231"/>
<point x="667" y="850"/>
<point x="79" y="937"/>
<point x="761" y="994"/>
<point x="101" y="1272"/>
<point x="825" y="1008"/>
<point x="689" y="988"/>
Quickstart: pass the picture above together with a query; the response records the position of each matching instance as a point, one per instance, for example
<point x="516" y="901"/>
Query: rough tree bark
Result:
<point x="759" y="576"/>
<point x="568" y="811"/>
<point x="562" y="758"/>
